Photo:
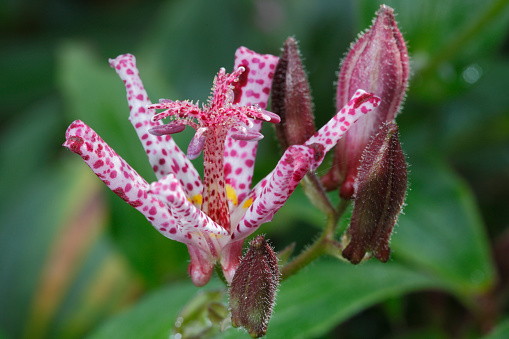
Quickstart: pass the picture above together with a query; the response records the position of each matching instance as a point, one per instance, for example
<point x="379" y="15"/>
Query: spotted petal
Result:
<point x="360" y="104"/>
<point x="253" y="88"/>
<point x="164" y="155"/>
<point x="190" y="220"/>
<point x="275" y="189"/>
<point x="120" y="177"/>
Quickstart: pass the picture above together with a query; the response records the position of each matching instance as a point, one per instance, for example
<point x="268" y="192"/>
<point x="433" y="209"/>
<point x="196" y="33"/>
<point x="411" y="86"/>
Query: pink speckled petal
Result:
<point x="189" y="219"/>
<point x="120" y="177"/>
<point x="360" y="104"/>
<point x="164" y="155"/>
<point x="275" y="189"/>
<point x="253" y="88"/>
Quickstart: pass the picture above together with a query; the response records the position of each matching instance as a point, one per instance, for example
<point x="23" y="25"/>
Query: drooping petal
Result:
<point x="360" y="104"/>
<point x="253" y="88"/>
<point x="120" y="177"/>
<point x="275" y="189"/>
<point x="190" y="219"/>
<point x="201" y="266"/>
<point x="205" y="238"/>
<point x="164" y="155"/>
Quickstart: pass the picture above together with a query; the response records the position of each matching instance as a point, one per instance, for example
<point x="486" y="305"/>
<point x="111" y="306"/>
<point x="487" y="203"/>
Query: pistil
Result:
<point x="215" y="203"/>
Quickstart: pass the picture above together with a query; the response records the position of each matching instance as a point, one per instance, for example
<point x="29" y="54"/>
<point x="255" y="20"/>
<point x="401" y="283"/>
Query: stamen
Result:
<point x="247" y="135"/>
<point x="271" y="117"/>
<point x="196" y="145"/>
<point x="171" y="128"/>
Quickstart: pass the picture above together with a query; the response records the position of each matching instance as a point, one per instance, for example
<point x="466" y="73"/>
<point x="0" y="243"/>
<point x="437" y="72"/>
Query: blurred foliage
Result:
<point x="72" y="255"/>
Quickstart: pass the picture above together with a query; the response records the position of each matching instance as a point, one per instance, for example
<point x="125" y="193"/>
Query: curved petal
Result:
<point x="361" y="103"/>
<point x="164" y="155"/>
<point x="275" y="189"/>
<point x="253" y="88"/>
<point x="196" y="226"/>
<point x="120" y="177"/>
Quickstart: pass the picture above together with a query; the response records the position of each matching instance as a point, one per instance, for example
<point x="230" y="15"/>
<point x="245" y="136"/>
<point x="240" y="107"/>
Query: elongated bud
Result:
<point x="380" y="193"/>
<point x="291" y="99"/>
<point x="253" y="288"/>
<point x="377" y="63"/>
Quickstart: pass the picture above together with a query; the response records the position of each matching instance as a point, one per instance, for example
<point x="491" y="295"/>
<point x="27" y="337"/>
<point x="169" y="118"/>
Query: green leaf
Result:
<point x="333" y="291"/>
<point x="441" y="231"/>
<point x="52" y="227"/>
<point x="153" y="317"/>
<point x="329" y="292"/>
<point x="500" y="332"/>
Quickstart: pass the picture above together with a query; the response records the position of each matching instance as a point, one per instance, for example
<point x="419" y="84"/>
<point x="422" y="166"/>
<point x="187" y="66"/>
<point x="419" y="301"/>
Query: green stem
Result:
<point x="455" y="45"/>
<point x="220" y="274"/>
<point x="316" y="193"/>
<point x="304" y="259"/>
<point x="325" y="244"/>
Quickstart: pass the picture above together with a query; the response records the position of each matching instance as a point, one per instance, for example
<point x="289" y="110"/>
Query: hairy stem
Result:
<point x="220" y="274"/>
<point x="316" y="193"/>
<point x="325" y="244"/>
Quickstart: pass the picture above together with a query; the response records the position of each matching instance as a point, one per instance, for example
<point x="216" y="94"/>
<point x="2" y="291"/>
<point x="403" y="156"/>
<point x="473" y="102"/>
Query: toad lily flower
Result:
<point x="212" y="217"/>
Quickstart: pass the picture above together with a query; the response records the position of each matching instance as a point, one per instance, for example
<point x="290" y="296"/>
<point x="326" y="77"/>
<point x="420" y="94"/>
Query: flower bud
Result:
<point x="291" y="99"/>
<point x="380" y="192"/>
<point x="377" y="63"/>
<point x="253" y="288"/>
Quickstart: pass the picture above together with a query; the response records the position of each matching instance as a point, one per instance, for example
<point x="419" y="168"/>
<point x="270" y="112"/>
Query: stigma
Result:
<point x="214" y="119"/>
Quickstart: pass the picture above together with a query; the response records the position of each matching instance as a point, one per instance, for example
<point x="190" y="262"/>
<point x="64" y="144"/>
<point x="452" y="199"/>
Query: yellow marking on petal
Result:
<point x="231" y="195"/>
<point x="248" y="203"/>
<point x="197" y="199"/>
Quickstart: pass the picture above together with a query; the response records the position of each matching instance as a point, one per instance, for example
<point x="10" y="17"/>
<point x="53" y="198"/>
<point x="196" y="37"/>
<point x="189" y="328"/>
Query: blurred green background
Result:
<point x="75" y="260"/>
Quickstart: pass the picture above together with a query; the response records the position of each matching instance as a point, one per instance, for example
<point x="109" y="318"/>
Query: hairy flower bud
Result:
<point x="291" y="99"/>
<point x="253" y="288"/>
<point x="377" y="63"/>
<point x="380" y="193"/>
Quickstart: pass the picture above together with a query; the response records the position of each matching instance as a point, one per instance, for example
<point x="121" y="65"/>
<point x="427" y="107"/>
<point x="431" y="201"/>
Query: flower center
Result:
<point x="212" y="123"/>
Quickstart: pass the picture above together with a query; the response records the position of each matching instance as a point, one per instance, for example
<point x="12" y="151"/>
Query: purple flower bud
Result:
<point x="291" y="99"/>
<point x="380" y="192"/>
<point x="377" y="63"/>
<point x="253" y="288"/>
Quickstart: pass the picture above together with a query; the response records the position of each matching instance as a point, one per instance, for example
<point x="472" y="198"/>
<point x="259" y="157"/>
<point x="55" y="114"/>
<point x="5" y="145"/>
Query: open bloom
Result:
<point x="211" y="216"/>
